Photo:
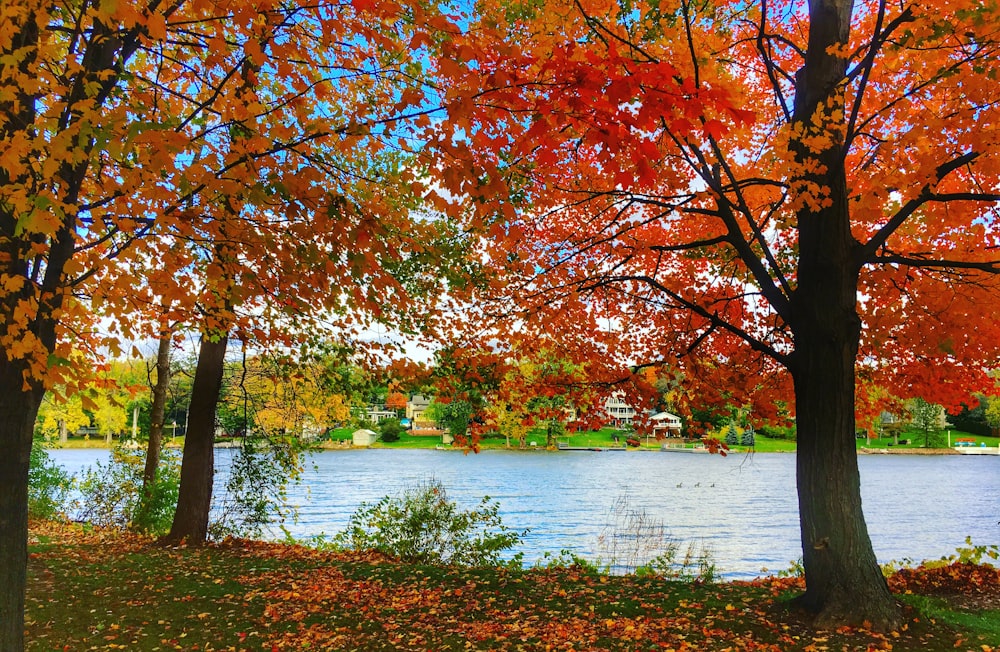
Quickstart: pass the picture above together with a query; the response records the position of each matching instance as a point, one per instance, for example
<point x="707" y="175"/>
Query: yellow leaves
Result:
<point x="11" y="284"/>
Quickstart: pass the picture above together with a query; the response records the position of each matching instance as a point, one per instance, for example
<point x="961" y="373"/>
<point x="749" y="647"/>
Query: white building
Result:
<point x="666" y="424"/>
<point x="364" y="437"/>
<point x="620" y="413"/>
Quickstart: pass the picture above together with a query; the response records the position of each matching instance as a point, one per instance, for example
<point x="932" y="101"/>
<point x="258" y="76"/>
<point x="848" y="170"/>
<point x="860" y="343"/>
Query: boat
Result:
<point x="681" y="448"/>
<point x="977" y="450"/>
<point x="597" y="449"/>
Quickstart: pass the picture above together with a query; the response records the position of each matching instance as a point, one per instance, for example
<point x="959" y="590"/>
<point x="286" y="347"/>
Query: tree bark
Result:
<point x="844" y="584"/>
<point x="18" y="410"/>
<point x="158" y="412"/>
<point x="198" y="462"/>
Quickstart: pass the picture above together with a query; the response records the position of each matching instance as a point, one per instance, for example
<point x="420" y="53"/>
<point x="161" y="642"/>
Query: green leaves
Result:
<point x="424" y="526"/>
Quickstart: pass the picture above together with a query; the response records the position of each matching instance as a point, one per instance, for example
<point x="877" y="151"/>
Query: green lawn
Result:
<point x="605" y="437"/>
<point x="917" y="440"/>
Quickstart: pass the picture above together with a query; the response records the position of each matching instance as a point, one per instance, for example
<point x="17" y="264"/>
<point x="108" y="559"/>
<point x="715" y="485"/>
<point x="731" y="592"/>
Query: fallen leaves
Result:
<point x="251" y="595"/>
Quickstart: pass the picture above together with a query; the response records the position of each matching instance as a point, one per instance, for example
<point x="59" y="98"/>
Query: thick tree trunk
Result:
<point x="18" y="410"/>
<point x="844" y="584"/>
<point x="198" y="463"/>
<point x="158" y="412"/>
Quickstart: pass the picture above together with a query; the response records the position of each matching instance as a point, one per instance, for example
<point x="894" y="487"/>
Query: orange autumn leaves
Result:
<point x="640" y="179"/>
<point x="138" y="140"/>
<point x="243" y="595"/>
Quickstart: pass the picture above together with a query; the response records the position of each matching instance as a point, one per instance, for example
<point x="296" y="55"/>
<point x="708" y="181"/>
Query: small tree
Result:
<point x="928" y="418"/>
<point x="992" y="413"/>
<point x="396" y="401"/>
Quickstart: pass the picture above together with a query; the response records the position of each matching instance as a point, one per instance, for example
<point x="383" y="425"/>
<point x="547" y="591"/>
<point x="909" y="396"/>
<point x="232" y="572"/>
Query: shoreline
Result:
<point x="99" y="445"/>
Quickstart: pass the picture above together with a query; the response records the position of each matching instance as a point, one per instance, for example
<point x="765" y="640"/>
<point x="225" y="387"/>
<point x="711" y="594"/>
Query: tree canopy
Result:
<point x="784" y="204"/>
<point x="783" y="200"/>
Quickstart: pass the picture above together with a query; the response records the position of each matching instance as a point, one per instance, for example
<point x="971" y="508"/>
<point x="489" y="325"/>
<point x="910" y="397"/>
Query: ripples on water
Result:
<point x="742" y="509"/>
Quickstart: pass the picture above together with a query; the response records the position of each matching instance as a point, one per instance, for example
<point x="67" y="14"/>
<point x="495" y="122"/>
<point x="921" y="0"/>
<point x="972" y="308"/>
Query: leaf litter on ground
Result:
<point x="93" y="589"/>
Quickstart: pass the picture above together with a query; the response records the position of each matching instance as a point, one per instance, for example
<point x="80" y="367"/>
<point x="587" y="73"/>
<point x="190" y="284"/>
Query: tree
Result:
<point x="390" y="430"/>
<point x="992" y="414"/>
<point x="538" y="387"/>
<point x="927" y="417"/>
<point x="157" y="420"/>
<point x="59" y="416"/>
<point x="396" y="401"/>
<point x="133" y="123"/>
<point x="782" y="201"/>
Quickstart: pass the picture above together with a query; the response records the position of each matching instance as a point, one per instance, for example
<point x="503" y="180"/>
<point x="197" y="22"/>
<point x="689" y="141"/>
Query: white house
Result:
<point x="669" y="425"/>
<point x="620" y="413"/>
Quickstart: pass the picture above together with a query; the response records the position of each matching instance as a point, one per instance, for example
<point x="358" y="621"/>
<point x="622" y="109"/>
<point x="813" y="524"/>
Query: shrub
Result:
<point x="111" y="494"/>
<point x="777" y="432"/>
<point x="48" y="485"/>
<point x="255" y="489"/>
<point x="390" y="430"/>
<point x="424" y="526"/>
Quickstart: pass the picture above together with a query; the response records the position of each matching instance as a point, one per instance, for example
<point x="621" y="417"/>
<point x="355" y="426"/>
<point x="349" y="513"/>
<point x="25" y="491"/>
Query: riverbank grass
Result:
<point x="99" y="590"/>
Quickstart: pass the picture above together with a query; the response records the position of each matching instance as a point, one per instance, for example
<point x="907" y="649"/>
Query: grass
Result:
<point x="97" y="590"/>
<point x="986" y="622"/>
<point x="605" y="438"/>
<point x="917" y="440"/>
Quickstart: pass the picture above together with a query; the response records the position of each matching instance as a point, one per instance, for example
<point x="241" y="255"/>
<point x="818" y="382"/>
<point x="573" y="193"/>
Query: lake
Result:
<point x="741" y="509"/>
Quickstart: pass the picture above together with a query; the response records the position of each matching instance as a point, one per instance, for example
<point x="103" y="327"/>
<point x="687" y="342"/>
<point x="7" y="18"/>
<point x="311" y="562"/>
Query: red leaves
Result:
<point x="951" y="579"/>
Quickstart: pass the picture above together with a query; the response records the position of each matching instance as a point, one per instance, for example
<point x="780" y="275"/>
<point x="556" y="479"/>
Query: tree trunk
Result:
<point x="157" y="416"/>
<point x="18" y="410"/>
<point x="198" y="463"/>
<point x="844" y="584"/>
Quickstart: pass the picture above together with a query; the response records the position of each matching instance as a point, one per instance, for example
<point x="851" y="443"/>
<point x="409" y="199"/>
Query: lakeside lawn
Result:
<point x="102" y="590"/>
<point x="605" y="438"/>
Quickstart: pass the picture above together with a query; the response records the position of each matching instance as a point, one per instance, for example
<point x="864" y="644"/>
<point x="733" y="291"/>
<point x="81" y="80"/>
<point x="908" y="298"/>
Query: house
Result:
<point x="620" y="414"/>
<point x="666" y="424"/>
<point x="415" y="409"/>
<point x="377" y="414"/>
<point x="364" y="437"/>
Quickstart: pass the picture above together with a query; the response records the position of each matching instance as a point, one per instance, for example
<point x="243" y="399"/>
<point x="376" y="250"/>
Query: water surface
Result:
<point x="743" y="509"/>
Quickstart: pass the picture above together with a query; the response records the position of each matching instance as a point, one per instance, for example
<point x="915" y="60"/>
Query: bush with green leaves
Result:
<point x="257" y="476"/>
<point x="48" y="485"/>
<point x="390" y="429"/>
<point x="111" y="493"/>
<point x="423" y="526"/>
